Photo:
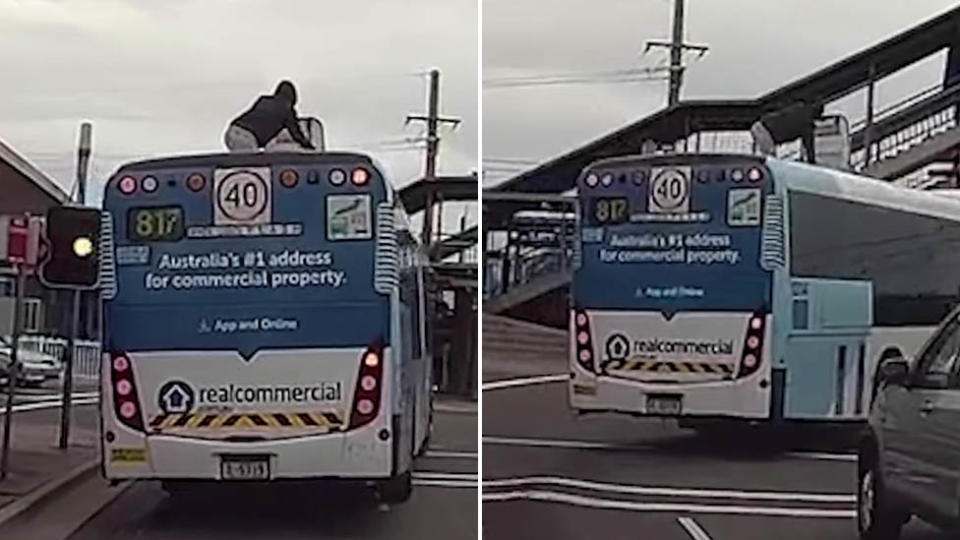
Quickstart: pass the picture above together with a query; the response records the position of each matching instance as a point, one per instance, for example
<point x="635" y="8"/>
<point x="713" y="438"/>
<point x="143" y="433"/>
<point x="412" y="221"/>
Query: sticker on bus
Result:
<point x="670" y="191"/>
<point x="241" y="196"/>
<point x="743" y="207"/>
<point x="348" y="217"/>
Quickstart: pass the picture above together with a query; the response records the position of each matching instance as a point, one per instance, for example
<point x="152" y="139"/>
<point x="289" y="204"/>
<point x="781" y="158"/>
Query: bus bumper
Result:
<point x="357" y="454"/>
<point x="745" y="398"/>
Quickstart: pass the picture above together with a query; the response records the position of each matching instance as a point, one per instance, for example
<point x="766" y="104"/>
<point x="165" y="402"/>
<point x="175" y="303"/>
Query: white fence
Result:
<point x="86" y="358"/>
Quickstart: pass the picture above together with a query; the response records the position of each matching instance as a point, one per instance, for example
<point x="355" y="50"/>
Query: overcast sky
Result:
<point x="160" y="78"/>
<point x="755" y="46"/>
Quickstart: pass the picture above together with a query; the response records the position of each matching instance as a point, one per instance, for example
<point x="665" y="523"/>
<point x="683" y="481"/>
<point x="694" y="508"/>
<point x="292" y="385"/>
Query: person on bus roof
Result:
<point x="268" y="116"/>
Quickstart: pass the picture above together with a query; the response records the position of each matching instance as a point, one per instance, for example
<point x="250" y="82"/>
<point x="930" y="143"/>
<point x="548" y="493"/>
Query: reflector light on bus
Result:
<point x="196" y="182"/>
<point x="606" y="179"/>
<point x="337" y="177"/>
<point x="359" y="176"/>
<point x="583" y="346"/>
<point x="121" y="363"/>
<point x="736" y="175"/>
<point x="127" y="185"/>
<point x="752" y="353"/>
<point x="639" y="177"/>
<point x="289" y="178"/>
<point x="149" y="184"/>
<point x="366" y="396"/>
<point x="591" y="180"/>
<point x="128" y="409"/>
<point x="125" y="398"/>
<point x="365" y="406"/>
<point x="755" y="175"/>
<point x="703" y="177"/>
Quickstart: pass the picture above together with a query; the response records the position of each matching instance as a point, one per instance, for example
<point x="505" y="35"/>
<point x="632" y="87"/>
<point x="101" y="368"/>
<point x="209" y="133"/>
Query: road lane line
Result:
<point x="780" y="496"/>
<point x="524" y="381"/>
<point x="613" y="504"/>
<point x="451" y="454"/>
<point x="445" y="483"/>
<point x="592" y="445"/>
<point x="434" y="475"/>
<point x="693" y="529"/>
<point x="46" y="405"/>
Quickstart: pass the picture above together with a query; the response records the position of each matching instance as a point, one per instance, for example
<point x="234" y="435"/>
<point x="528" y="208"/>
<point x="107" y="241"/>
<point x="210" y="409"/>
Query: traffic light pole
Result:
<point x="12" y="372"/>
<point x="83" y="162"/>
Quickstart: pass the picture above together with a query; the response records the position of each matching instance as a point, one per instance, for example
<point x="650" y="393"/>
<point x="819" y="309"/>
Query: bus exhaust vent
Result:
<point x="772" y="250"/>
<point x="386" y="272"/>
<point x="108" y="263"/>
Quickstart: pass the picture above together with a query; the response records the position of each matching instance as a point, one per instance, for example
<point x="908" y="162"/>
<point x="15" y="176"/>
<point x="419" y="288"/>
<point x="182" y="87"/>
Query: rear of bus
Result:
<point x="247" y="332"/>
<point x="671" y="309"/>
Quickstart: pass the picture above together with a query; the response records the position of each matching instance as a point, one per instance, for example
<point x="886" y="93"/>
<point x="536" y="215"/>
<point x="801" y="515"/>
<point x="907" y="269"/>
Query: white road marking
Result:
<point x="434" y="475"/>
<point x="524" y="381"/>
<point x="693" y="528"/>
<point x="781" y="496"/>
<point x="445" y="483"/>
<point x="47" y="405"/>
<point x="610" y="504"/>
<point x="443" y="479"/>
<point x="452" y="454"/>
<point x="592" y="445"/>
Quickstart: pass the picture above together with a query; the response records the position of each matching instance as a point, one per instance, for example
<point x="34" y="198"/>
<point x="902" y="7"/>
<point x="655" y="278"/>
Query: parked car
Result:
<point x="35" y="367"/>
<point x="909" y="456"/>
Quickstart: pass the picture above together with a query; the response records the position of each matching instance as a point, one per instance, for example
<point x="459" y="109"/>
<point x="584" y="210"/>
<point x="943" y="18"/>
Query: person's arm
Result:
<point x="293" y="126"/>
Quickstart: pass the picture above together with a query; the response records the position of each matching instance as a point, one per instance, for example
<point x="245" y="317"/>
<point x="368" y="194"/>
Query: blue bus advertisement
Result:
<point x="670" y="292"/>
<point x="251" y="320"/>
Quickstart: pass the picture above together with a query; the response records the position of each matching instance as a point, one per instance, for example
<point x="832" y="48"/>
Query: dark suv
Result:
<point x="909" y="457"/>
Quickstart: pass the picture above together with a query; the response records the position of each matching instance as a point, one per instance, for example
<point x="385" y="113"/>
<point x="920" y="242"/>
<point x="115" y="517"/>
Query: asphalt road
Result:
<point x="549" y="474"/>
<point x="444" y="503"/>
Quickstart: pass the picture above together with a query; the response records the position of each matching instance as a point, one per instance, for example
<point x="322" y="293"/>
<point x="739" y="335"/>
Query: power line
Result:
<point x="602" y="77"/>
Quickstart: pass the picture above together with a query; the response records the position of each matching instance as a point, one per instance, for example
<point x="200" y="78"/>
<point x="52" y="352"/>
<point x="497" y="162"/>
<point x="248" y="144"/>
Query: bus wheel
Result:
<point x="397" y="489"/>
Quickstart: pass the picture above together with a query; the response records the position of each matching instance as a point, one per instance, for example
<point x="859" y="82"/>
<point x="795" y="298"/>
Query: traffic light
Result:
<point x="73" y="248"/>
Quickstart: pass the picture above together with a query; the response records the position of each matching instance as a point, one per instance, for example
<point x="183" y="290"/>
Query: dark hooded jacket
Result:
<point x="270" y="114"/>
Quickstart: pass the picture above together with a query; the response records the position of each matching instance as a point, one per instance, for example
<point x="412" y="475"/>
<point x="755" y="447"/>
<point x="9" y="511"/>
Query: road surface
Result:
<point x="548" y="474"/>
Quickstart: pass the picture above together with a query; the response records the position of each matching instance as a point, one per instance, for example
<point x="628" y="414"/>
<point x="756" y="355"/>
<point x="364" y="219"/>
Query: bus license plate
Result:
<point x="665" y="405"/>
<point x="245" y="468"/>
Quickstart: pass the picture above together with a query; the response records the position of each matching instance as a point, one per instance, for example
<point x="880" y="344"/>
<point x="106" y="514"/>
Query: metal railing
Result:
<point x="86" y="356"/>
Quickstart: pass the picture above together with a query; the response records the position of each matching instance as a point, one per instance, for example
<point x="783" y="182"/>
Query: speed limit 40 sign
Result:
<point x="241" y="196"/>
<point x="670" y="191"/>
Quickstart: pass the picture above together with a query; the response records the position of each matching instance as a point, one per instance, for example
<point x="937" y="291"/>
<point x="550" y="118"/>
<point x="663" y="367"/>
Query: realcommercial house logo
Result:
<point x="703" y="347"/>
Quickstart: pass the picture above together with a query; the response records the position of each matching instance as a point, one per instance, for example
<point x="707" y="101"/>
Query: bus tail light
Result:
<point x="196" y="182"/>
<point x="752" y="355"/>
<point x="127" y="185"/>
<point x="126" y="400"/>
<point x="366" y="396"/>
<point x="584" y="345"/>
<point x="359" y="176"/>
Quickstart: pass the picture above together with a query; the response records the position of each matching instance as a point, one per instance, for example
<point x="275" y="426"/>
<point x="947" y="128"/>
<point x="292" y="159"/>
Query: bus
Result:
<point x="264" y="319"/>
<point x="718" y="289"/>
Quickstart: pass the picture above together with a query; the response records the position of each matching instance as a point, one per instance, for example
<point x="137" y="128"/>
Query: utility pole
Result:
<point x="433" y="121"/>
<point x="676" y="47"/>
<point x="83" y="165"/>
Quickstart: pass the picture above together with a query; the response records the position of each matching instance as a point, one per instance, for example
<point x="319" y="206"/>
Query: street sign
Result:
<point x="20" y="239"/>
